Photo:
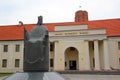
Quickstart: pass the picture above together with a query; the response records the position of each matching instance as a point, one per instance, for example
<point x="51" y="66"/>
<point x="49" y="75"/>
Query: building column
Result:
<point x="87" y="55"/>
<point x="55" y="56"/>
<point x="96" y="54"/>
<point x="106" y="55"/>
<point x="59" y="64"/>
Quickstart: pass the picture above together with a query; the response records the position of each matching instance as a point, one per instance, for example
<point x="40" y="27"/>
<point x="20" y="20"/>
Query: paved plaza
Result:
<point x="88" y="77"/>
<point x="1" y="78"/>
<point x="91" y="77"/>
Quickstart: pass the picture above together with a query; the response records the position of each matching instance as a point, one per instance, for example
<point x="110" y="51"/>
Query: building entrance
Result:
<point x="72" y="65"/>
<point x="71" y="59"/>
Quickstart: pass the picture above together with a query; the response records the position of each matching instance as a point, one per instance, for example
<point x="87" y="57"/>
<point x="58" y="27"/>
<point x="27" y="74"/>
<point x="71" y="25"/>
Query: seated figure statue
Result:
<point x="36" y="48"/>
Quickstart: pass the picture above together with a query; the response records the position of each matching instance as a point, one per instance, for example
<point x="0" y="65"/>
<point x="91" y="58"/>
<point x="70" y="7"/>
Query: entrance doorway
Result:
<point x="71" y="58"/>
<point x="72" y="65"/>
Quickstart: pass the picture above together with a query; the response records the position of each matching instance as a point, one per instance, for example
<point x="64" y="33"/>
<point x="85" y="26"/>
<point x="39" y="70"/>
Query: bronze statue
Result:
<point x="36" y="56"/>
<point x="36" y="48"/>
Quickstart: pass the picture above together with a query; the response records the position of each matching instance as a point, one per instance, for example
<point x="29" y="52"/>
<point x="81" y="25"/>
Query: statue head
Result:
<point x="40" y="20"/>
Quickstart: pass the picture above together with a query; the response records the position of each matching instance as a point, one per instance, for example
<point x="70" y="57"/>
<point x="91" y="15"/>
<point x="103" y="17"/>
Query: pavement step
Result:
<point x="113" y="72"/>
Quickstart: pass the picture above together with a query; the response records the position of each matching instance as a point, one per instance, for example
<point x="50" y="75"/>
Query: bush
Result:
<point x="5" y="74"/>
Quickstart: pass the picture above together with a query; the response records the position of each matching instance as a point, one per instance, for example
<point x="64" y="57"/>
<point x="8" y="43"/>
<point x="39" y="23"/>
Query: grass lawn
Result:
<point x="5" y="74"/>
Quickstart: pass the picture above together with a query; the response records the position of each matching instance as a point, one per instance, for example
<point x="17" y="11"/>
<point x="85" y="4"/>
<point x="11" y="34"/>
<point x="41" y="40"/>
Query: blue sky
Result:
<point x="13" y="11"/>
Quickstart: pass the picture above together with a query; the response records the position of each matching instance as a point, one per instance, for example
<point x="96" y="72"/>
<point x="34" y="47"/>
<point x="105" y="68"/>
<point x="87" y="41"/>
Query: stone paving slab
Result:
<point x="91" y="77"/>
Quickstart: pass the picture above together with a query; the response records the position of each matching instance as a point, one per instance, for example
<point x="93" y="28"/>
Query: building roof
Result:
<point x="15" y="32"/>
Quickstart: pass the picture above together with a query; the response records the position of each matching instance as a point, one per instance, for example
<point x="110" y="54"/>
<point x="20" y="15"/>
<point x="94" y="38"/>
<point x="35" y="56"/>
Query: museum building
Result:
<point x="80" y="45"/>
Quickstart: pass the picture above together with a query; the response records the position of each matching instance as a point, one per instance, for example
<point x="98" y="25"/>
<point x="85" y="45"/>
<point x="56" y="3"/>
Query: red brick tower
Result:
<point x="81" y="16"/>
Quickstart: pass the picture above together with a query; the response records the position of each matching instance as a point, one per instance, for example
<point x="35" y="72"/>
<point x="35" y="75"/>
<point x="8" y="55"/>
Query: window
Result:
<point x="17" y="62"/>
<point x="51" y="47"/>
<point x="83" y="18"/>
<point x="65" y="64"/>
<point x="17" y="48"/>
<point x="119" y="45"/>
<point x="51" y="63"/>
<point x="83" y="14"/>
<point x="5" y="48"/>
<point x="4" y="63"/>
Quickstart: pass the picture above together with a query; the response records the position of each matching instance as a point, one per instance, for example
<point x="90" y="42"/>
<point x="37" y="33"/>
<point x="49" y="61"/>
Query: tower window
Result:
<point x="83" y="14"/>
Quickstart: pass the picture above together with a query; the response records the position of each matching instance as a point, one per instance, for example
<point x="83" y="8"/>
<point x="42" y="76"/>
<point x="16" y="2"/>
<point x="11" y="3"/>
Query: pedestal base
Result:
<point x="35" y="76"/>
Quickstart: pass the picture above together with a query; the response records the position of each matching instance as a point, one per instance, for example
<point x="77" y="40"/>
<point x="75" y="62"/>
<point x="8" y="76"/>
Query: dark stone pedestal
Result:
<point x="35" y="76"/>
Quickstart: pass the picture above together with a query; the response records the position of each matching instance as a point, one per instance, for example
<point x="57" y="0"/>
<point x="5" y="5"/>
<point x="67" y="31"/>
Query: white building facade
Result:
<point x="72" y="47"/>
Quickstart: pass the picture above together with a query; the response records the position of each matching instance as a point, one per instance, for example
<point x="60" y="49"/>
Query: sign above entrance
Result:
<point x="78" y="32"/>
<point x="70" y="33"/>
